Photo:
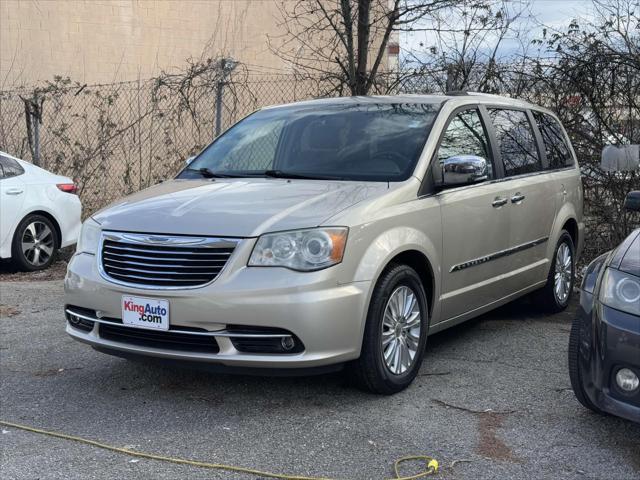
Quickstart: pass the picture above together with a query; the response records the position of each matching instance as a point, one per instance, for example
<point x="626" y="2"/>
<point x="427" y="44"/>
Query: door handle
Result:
<point x="14" y="191"/>
<point x="499" y="202"/>
<point x="517" y="198"/>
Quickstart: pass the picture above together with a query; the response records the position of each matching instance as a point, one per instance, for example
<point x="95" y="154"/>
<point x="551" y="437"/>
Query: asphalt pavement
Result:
<point x="493" y="401"/>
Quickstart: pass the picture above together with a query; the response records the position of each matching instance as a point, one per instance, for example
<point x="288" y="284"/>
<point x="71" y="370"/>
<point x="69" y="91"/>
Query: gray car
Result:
<point x="335" y="233"/>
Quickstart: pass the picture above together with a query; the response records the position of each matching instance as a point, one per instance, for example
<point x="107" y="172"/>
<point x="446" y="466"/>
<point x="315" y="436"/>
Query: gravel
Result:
<point x="493" y="398"/>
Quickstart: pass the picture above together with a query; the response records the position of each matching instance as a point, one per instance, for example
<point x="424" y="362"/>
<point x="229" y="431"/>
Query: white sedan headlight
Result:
<point x="89" y="237"/>
<point x="621" y="291"/>
<point x="303" y="250"/>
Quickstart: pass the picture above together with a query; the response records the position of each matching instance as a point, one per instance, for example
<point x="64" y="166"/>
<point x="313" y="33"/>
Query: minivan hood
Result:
<point x="234" y="207"/>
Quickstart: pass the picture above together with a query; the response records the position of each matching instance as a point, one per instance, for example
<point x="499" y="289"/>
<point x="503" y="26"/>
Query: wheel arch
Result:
<point x="421" y="264"/>
<point x="49" y="216"/>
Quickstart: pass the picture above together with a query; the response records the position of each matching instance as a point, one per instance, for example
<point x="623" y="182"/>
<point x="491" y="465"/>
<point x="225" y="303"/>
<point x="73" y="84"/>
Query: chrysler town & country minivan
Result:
<point x="336" y="232"/>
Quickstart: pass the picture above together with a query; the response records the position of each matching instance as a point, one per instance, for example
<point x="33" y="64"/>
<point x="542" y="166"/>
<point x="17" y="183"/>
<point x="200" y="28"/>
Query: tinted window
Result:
<point x="465" y="135"/>
<point x="516" y="141"/>
<point x="378" y="142"/>
<point x="10" y="168"/>
<point x="555" y="142"/>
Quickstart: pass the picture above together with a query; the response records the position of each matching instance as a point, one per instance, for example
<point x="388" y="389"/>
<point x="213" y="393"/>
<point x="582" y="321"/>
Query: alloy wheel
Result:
<point x="37" y="243"/>
<point x="564" y="273"/>
<point x="401" y="326"/>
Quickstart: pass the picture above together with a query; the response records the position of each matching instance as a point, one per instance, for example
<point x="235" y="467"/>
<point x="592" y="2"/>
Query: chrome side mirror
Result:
<point x="463" y="170"/>
<point x="189" y="160"/>
<point x="632" y="202"/>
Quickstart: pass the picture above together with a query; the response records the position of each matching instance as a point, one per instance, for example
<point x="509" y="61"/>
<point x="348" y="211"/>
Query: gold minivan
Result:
<point x="335" y="233"/>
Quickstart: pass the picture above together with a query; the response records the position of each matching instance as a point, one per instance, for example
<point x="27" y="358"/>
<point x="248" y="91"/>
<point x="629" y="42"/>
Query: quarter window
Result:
<point x="555" y="143"/>
<point x="9" y="167"/>
<point x="516" y="142"/>
<point x="465" y="135"/>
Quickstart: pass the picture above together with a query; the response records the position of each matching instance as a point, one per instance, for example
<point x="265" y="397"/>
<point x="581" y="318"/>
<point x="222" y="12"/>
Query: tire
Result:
<point x="46" y="243"/>
<point x="371" y="372"/>
<point x="547" y="298"/>
<point x="574" y="368"/>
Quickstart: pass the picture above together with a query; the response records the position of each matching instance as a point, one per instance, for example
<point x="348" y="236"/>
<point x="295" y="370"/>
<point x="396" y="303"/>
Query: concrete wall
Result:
<point x="102" y="41"/>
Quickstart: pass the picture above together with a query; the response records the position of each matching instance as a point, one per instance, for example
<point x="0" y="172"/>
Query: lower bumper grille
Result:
<point x="164" y="340"/>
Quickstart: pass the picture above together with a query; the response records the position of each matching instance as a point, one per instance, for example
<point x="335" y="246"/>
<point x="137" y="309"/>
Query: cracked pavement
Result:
<point x="493" y="398"/>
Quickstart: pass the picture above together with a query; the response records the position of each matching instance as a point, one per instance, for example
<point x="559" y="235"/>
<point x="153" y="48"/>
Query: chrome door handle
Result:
<point x="518" y="197"/>
<point x="499" y="202"/>
<point x="14" y="191"/>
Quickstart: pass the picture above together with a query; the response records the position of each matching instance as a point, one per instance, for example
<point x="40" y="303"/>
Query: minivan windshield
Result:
<point x="367" y="141"/>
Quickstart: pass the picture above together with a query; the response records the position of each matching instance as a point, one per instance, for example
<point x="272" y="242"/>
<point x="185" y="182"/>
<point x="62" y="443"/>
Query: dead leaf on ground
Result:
<point x="8" y="311"/>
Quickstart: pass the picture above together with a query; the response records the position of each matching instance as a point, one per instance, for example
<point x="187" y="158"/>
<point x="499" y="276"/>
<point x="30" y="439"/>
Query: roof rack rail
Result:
<point x="457" y="93"/>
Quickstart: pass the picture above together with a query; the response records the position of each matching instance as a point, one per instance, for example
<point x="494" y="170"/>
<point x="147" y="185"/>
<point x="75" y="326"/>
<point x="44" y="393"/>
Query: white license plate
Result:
<point x="150" y="313"/>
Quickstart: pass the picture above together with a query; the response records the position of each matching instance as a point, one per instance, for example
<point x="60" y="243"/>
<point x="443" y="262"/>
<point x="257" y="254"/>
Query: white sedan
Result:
<point x="39" y="213"/>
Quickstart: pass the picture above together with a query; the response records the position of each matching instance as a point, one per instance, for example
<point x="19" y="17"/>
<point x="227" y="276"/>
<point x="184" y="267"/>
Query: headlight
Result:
<point x="621" y="291"/>
<point x="304" y="250"/>
<point x="89" y="237"/>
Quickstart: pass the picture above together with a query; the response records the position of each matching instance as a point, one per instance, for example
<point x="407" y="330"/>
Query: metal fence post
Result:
<point x="36" y="140"/>
<point x="219" y="91"/>
<point x="33" y="117"/>
<point x="226" y="66"/>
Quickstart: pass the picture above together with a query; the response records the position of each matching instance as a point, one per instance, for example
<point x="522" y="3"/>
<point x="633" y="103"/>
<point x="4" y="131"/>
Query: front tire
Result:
<point x="34" y="244"/>
<point x="577" y="384"/>
<point x="395" y="334"/>
<point x="556" y="294"/>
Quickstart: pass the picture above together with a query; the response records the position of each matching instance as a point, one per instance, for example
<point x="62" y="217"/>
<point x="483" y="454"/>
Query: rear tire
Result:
<point x="395" y="334"/>
<point x="556" y="294"/>
<point x="574" y="368"/>
<point x="35" y="243"/>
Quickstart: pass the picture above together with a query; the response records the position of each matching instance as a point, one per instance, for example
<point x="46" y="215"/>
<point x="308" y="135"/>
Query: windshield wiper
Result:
<point x="282" y="174"/>
<point x="207" y="173"/>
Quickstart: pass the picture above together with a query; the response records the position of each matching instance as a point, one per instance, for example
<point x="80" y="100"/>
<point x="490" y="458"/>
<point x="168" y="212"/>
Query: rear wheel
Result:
<point x="556" y="294"/>
<point x="574" y="368"/>
<point x="35" y="242"/>
<point x="395" y="334"/>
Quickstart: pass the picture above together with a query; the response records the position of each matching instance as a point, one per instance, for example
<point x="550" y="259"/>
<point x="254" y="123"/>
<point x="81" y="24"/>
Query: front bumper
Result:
<point x="325" y="315"/>
<point x="610" y="341"/>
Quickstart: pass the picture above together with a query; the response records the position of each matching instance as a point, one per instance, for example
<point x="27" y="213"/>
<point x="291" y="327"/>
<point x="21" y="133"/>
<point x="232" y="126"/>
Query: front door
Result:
<point x="475" y="223"/>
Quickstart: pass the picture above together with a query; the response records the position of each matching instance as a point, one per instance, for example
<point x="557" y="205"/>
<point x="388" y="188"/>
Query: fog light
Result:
<point x="627" y="380"/>
<point x="287" y="343"/>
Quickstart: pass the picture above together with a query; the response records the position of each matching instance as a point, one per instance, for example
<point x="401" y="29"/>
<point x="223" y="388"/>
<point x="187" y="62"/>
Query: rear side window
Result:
<point x="465" y="135"/>
<point x="555" y="142"/>
<point x="9" y="167"/>
<point x="516" y="141"/>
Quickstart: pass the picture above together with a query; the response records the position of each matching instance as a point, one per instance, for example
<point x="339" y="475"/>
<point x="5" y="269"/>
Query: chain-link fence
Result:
<point x="116" y="139"/>
<point x="119" y="138"/>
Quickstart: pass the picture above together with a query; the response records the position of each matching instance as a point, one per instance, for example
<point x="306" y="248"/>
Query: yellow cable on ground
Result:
<point x="431" y="465"/>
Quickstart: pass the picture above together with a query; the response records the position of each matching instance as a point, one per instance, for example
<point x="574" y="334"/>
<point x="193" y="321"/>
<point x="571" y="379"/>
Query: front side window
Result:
<point x="516" y="141"/>
<point x="9" y="167"/>
<point x="555" y="143"/>
<point x="465" y="135"/>
<point x="370" y="141"/>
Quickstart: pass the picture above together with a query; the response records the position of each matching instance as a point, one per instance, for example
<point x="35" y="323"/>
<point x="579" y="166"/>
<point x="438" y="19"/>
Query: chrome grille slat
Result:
<point x="153" y="251"/>
<point x="157" y="272"/>
<point x="149" y="261"/>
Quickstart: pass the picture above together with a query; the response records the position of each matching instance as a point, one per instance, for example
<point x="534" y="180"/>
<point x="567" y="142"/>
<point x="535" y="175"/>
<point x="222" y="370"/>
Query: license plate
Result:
<point x="150" y="313"/>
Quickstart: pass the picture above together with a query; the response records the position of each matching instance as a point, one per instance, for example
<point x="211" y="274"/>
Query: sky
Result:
<point x="553" y="13"/>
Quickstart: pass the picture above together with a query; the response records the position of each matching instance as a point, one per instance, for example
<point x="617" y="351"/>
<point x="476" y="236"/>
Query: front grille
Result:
<point x="159" y="339"/>
<point x="184" y="263"/>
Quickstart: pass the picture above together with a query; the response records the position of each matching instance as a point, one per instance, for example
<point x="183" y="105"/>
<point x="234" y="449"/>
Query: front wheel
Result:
<point x="395" y="334"/>
<point x="556" y="294"/>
